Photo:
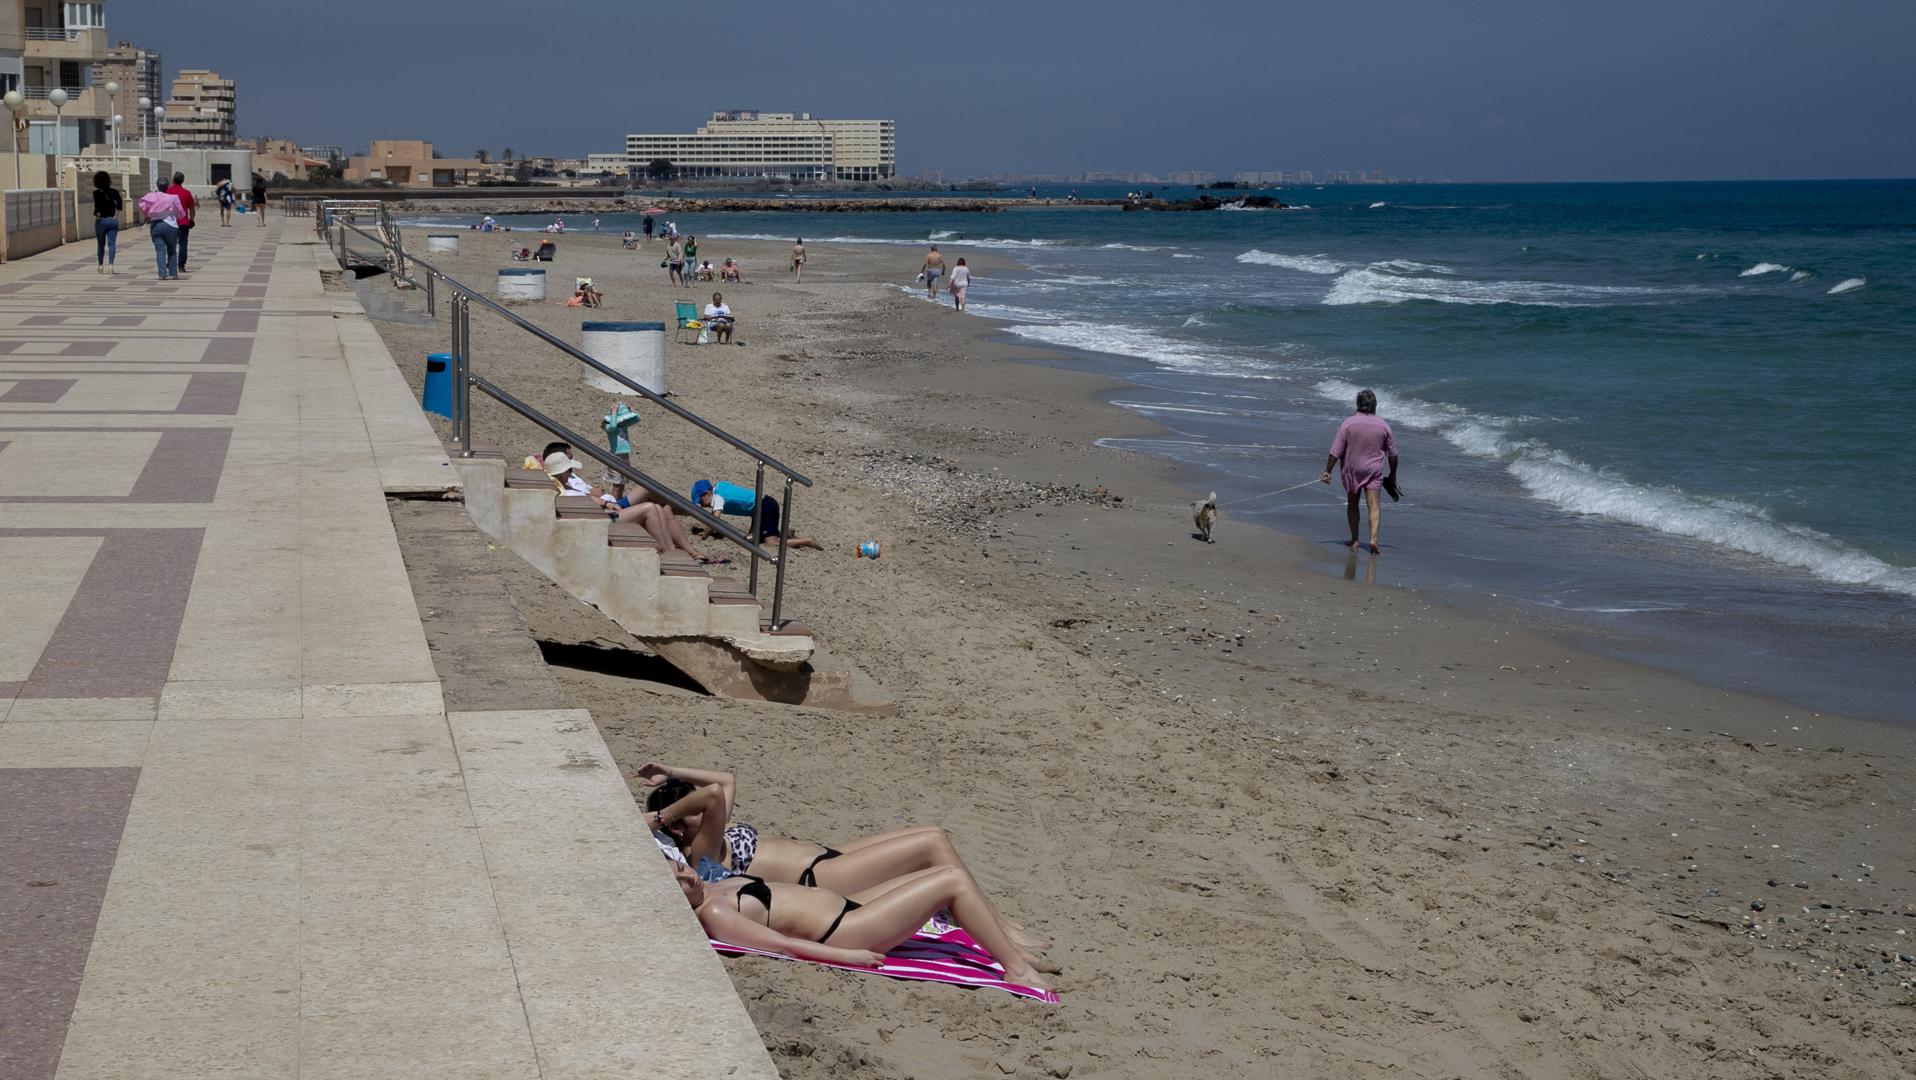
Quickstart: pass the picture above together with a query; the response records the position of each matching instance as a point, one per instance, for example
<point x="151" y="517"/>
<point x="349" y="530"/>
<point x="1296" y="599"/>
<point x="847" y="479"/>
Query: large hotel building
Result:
<point x="746" y="143"/>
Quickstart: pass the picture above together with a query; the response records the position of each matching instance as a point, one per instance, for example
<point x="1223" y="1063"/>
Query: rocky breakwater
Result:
<point x="1209" y="202"/>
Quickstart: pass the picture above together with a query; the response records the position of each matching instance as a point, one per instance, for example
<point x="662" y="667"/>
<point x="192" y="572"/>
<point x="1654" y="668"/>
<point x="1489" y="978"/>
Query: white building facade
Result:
<point x="748" y="144"/>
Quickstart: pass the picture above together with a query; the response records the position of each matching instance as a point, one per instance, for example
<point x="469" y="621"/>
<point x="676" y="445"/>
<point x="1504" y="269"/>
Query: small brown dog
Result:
<point x="1204" y="515"/>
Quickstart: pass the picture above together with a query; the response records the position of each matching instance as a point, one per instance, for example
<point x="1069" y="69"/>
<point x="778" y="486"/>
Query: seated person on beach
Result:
<point x="731" y="273"/>
<point x="706" y="273"/>
<point x="719" y="318"/>
<point x="654" y="516"/>
<point x="735" y="501"/>
<point x="631" y="240"/>
<point x="857" y="931"/>
<point x="691" y="809"/>
<point x="585" y="295"/>
<point x="546" y="251"/>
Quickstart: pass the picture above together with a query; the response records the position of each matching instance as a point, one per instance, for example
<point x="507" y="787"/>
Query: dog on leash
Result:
<point x="1204" y="515"/>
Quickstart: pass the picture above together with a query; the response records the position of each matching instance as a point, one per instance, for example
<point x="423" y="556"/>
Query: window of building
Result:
<point x="86" y="16"/>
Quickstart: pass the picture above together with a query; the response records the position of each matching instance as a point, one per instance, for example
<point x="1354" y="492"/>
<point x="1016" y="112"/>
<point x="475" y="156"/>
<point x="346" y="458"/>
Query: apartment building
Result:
<point x="47" y="46"/>
<point x="201" y="111"/>
<point x="749" y="144"/>
<point x="138" y="72"/>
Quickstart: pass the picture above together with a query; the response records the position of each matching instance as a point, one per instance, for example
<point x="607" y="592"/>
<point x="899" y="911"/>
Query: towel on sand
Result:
<point x="939" y="952"/>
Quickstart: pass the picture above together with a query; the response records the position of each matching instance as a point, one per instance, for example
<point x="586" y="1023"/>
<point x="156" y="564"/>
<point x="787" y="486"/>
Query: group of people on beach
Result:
<point x="844" y="905"/>
<point x="933" y="268"/>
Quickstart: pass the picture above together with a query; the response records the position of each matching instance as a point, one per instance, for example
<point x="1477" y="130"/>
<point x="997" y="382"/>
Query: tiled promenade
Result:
<point x="239" y="834"/>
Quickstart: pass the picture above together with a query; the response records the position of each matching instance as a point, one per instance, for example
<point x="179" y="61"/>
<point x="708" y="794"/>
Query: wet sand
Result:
<point x="1274" y="823"/>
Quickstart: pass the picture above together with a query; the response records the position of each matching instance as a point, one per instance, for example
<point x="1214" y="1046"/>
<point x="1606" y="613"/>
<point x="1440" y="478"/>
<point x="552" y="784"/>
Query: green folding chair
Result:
<point x="688" y="315"/>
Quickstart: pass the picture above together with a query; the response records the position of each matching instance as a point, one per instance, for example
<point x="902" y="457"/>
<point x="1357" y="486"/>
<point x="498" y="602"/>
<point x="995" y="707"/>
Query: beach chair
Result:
<point x="688" y="317"/>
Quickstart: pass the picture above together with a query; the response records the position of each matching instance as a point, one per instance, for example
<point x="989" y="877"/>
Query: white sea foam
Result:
<point x="1309" y="264"/>
<point x="1247" y="209"/>
<point x="1411" y="266"/>
<point x="1196" y="320"/>
<point x="787" y="237"/>
<point x="1367" y="286"/>
<point x="1847" y="285"/>
<point x="1183" y="255"/>
<point x="1130" y="247"/>
<point x="945" y="234"/>
<point x="1127" y="341"/>
<point x="1571" y="485"/>
<point x="1801" y="275"/>
<point x="1763" y="268"/>
<point x="1378" y="205"/>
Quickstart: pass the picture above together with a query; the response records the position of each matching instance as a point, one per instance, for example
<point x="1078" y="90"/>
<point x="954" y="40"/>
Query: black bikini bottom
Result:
<point x="850" y="906"/>
<point x="809" y="879"/>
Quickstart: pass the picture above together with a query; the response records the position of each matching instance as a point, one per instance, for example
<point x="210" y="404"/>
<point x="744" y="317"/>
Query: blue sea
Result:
<point x="1670" y="420"/>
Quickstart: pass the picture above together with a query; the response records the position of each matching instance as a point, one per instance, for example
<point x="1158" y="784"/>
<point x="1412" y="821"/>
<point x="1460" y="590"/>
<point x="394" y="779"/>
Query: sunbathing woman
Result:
<point x="694" y="808"/>
<point x="819" y="924"/>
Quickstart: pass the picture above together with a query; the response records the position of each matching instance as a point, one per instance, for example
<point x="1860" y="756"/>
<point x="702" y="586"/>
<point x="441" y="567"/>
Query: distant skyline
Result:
<point x="1708" y="89"/>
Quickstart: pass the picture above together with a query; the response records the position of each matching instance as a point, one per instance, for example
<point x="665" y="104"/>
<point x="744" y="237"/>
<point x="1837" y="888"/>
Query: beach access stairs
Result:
<point x="725" y="629"/>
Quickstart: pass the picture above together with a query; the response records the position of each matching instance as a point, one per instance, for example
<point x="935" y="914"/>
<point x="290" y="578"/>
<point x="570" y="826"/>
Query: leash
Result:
<point x="1267" y="494"/>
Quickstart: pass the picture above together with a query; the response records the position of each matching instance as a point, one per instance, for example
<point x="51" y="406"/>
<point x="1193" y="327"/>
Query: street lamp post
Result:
<point x="57" y="97"/>
<point x="113" y="98"/>
<point x="15" y="101"/>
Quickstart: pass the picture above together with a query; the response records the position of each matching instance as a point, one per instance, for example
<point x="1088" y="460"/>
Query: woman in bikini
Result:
<point x="798" y="259"/>
<point x="819" y="924"/>
<point x="694" y="808"/>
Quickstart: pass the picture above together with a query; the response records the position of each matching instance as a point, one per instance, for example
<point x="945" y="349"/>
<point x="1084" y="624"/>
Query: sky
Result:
<point x="1464" y="90"/>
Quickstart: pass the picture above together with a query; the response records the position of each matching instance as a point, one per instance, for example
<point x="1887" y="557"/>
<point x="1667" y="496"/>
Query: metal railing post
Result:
<point x="465" y="379"/>
<point x="458" y="376"/>
<point x="432" y="309"/>
<point x="758" y="506"/>
<point x="778" y="579"/>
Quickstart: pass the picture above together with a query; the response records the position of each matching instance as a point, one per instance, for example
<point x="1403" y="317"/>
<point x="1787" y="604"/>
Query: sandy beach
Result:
<point x="1273" y="822"/>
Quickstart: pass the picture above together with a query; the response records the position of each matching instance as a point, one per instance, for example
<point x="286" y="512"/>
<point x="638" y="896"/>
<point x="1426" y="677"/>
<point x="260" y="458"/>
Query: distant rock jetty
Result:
<point x="1209" y="202"/>
<point x="588" y="205"/>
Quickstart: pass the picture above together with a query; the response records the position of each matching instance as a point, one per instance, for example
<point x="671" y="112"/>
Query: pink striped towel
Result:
<point x="939" y="952"/>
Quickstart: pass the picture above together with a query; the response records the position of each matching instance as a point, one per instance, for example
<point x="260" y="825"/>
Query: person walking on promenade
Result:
<point x="107" y="202"/>
<point x="259" y="201"/>
<point x="798" y="260"/>
<point x="178" y="190"/>
<point x="1365" y="445"/>
<point x="934" y="266"/>
<point x="223" y="192"/>
<point x="163" y="213"/>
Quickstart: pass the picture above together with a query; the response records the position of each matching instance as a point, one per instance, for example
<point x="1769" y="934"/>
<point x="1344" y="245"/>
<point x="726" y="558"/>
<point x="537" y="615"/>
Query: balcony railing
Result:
<point x="54" y="33"/>
<point x="39" y="93"/>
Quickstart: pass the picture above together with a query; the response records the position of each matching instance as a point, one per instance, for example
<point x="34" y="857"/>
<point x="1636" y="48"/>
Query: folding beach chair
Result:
<point x="688" y="316"/>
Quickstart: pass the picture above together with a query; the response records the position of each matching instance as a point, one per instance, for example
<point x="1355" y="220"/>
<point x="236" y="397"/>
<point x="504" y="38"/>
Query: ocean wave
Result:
<point x="788" y="237"/>
<point x="1378" y="205"/>
<point x="1848" y="285"/>
<point x="1128" y="341"/>
<point x="1411" y="266"/>
<point x="1182" y="255"/>
<point x="946" y="234"/>
<point x="1573" y="486"/>
<point x="1801" y="275"/>
<point x="1367" y="286"/>
<point x="1245" y="209"/>
<point x="1763" y="268"/>
<point x="1130" y="247"/>
<point x="1309" y="264"/>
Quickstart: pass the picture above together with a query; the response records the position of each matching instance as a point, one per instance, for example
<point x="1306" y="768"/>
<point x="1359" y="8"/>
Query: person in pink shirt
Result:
<point x="163" y="213"/>
<point x="179" y="191"/>
<point x="1365" y="445"/>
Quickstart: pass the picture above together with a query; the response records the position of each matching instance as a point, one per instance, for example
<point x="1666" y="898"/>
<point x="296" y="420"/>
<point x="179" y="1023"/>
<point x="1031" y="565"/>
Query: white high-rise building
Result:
<point x="746" y="143"/>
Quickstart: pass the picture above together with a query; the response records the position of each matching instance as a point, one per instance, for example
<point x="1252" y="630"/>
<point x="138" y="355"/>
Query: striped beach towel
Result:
<point x="939" y="952"/>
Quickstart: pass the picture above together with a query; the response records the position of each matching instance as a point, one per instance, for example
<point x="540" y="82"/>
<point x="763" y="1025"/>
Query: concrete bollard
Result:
<point x="633" y="349"/>
<point x="442" y="243"/>
<point x="517" y="284"/>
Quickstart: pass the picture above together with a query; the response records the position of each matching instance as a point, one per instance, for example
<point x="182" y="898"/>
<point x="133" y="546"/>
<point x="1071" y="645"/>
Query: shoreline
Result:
<point x="1263" y="814"/>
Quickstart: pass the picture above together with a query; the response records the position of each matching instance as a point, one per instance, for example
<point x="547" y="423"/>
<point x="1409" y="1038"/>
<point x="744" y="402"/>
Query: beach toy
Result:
<point x="868" y="549"/>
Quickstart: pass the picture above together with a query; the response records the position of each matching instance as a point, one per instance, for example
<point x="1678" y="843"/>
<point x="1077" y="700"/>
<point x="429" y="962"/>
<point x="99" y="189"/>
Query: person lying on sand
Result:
<point x="819" y="924"/>
<point x="694" y="807"/>
<point x="728" y="498"/>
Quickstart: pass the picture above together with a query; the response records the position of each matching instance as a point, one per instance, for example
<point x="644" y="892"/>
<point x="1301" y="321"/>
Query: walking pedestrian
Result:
<point x="259" y="200"/>
<point x="224" y="193"/>
<point x="674" y="262"/>
<point x="691" y="259"/>
<point x="648" y="226"/>
<point x="798" y="259"/>
<point x="163" y="213"/>
<point x="1365" y="445"/>
<point x="934" y="266"/>
<point x="107" y="202"/>
<point x="960" y="281"/>
<point x="178" y="190"/>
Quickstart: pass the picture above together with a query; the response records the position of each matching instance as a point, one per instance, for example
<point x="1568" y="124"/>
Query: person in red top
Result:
<point x="178" y="190"/>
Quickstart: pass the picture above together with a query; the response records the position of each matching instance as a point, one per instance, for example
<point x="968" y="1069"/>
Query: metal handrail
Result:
<point x="585" y="358"/>
<point x="580" y="443"/>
